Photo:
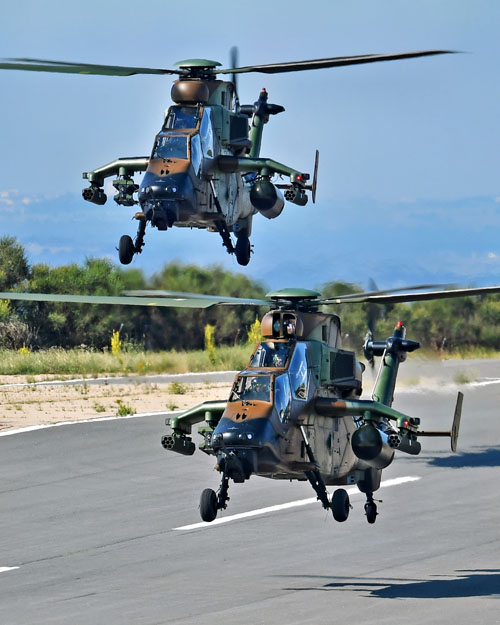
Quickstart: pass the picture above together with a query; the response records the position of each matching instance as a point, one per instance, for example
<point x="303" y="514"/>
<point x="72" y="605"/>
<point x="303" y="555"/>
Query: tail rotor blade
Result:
<point x="234" y="63"/>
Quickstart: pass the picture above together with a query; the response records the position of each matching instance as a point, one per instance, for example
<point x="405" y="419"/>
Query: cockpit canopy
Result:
<point x="181" y="117"/>
<point x="187" y="134"/>
<point x="289" y="382"/>
<point x="171" y="146"/>
<point x="271" y="354"/>
<point x="251" y="387"/>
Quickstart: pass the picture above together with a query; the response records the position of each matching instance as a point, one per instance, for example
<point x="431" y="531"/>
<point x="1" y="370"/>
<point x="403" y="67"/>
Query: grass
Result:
<point x="88" y="363"/>
<point x="177" y="389"/>
<point x="92" y="363"/>
<point x="124" y="409"/>
<point x="470" y="353"/>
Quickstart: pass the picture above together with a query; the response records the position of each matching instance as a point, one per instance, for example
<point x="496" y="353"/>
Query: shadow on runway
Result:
<point x="478" y="583"/>
<point x="483" y="457"/>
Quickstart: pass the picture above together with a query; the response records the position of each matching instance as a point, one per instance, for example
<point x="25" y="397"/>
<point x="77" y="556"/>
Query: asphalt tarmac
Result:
<point x="89" y="511"/>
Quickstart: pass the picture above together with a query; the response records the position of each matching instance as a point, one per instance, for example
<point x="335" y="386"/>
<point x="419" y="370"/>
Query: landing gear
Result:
<point x="340" y="505"/>
<point x="208" y="505"/>
<point x="370" y="508"/>
<point x="243" y="250"/>
<point x="211" y="502"/>
<point x="127" y="248"/>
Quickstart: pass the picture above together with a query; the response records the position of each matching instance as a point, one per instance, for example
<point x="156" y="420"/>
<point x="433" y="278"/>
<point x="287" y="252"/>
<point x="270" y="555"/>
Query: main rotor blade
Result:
<point x="170" y="299"/>
<point x="350" y="296"/>
<point x="214" y="299"/>
<point x="41" y="65"/>
<point x="414" y="297"/>
<point x="336" y="61"/>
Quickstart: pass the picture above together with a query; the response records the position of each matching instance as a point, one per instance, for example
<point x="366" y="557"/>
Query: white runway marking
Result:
<point x="486" y="382"/>
<point x="33" y="428"/>
<point x="4" y="569"/>
<point x="285" y="506"/>
<point x="116" y="380"/>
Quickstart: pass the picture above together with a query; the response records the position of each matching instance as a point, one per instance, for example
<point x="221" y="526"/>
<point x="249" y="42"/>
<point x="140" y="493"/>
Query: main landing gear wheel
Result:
<point x="208" y="505"/>
<point x="242" y="250"/>
<point x="126" y="249"/>
<point x="340" y="505"/>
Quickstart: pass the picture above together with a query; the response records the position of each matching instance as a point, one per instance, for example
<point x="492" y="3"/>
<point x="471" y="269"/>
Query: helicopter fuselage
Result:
<point x="204" y="170"/>
<point x="294" y="413"/>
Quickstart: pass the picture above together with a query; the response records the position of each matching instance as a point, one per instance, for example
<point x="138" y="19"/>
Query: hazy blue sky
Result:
<point x="409" y="149"/>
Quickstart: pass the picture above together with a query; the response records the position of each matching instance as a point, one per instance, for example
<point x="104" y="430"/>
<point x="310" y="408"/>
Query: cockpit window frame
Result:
<point x="283" y="364"/>
<point x="299" y="376"/>
<point x="197" y="114"/>
<point x="242" y="388"/>
<point x="207" y="133"/>
<point x="282" y="394"/>
<point x="171" y="135"/>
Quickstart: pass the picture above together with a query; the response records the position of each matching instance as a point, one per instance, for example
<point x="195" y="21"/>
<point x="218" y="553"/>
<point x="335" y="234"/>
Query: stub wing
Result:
<point x="209" y="411"/>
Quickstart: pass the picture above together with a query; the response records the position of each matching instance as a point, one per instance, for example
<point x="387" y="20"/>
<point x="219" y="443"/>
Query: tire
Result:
<point x="340" y="505"/>
<point x="371" y="512"/>
<point x="208" y="505"/>
<point x="242" y="250"/>
<point x="126" y="249"/>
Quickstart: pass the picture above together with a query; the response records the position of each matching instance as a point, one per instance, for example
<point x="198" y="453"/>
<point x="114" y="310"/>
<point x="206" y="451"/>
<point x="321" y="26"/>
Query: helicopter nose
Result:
<point x="174" y="187"/>
<point x="167" y="199"/>
<point x="245" y="433"/>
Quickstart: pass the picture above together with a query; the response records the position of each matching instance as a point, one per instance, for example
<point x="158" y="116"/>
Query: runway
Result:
<point x="90" y="520"/>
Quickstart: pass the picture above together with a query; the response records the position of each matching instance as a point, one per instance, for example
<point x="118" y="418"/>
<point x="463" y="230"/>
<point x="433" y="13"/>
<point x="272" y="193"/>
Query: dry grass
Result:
<point x="92" y="363"/>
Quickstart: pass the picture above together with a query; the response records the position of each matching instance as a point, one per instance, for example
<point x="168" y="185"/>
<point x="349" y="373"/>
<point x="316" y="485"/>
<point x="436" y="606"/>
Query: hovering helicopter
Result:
<point x="205" y="169"/>
<point x="295" y="411"/>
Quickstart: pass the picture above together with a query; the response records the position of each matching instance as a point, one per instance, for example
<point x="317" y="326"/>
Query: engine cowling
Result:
<point x="267" y="199"/>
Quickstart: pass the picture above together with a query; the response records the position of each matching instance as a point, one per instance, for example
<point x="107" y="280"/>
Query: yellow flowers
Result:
<point x="116" y="343"/>
<point x="254" y="333"/>
<point x="210" y="343"/>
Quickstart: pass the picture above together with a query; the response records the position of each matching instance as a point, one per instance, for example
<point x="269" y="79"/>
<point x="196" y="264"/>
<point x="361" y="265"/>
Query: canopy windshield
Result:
<point x="171" y="146"/>
<point x="181" y="117"/>
<point x="271" y="354"/>
<point x="252" y="387"/>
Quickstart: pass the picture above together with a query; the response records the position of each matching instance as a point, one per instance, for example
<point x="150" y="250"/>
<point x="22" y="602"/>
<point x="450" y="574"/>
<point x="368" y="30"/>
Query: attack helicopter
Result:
<point x="205" y="169"/>
<point x="295" y="413"/>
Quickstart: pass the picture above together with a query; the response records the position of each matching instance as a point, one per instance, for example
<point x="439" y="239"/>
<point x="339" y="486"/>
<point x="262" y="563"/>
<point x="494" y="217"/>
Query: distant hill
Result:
<point x="399" y="243"/>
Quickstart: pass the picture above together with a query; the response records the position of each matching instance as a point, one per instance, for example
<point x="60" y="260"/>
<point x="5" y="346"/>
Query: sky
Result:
<point x="409" y="185"/>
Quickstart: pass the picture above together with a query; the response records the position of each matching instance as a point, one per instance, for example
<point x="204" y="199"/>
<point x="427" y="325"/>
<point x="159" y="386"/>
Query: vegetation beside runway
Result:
<point x="40" y="337"/>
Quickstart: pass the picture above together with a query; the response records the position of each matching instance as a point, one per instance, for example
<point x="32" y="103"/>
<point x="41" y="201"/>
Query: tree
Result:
<point x="14" y="266"/>
<point x="184" y="328"/>
<point x="70" y="325"/>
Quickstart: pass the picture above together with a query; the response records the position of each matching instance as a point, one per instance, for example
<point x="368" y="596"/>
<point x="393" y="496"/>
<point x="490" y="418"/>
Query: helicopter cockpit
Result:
<point x="292" y="383"/>
<point x="169" y="146"/>
<point x="172" y="143"/>
<point x="271" y="354"/>
<point x="251" y="387"/>
<point x="183" y="147"/>
<point x="181" y="117"/>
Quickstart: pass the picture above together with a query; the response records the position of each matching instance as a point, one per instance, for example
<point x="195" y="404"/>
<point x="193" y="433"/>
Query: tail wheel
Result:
<point x="242" y="250"/>
<point x="208" y="505"/>
<point x="340" y="505"/>
<point x="126" y="250"/>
